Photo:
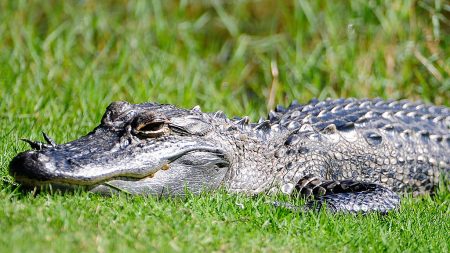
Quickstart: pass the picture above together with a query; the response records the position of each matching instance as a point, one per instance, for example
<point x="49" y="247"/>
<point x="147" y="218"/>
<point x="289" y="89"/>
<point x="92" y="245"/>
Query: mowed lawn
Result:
<point x="63" y="62"/>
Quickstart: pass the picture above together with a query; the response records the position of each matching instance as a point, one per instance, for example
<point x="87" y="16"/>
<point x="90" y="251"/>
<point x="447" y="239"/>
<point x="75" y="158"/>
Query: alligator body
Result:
<point x="354" y="155"/>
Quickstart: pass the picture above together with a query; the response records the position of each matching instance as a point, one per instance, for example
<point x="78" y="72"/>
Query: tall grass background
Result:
<point x="63" y="62"/>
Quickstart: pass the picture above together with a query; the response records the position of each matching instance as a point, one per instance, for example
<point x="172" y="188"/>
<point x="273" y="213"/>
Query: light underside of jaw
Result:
<point x="73" y="183"/>
<point x="119" y="177"/>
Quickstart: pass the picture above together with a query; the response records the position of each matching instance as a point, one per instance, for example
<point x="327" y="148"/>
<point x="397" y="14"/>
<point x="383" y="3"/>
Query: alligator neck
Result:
<point x="256" y="161"/>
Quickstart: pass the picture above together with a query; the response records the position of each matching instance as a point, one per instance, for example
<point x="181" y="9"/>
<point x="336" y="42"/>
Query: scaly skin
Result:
<point x="355" y="155"/>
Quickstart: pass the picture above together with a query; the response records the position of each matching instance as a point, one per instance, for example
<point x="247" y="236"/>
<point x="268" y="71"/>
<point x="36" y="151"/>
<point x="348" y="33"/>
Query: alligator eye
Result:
<point x="151" y="129"/>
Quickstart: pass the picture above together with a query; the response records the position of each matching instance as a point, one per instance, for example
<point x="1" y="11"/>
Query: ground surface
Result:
<point x="62" y="63"/>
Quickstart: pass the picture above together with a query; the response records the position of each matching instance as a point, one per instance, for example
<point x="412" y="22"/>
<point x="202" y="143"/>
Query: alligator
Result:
<point x="350" y="155"/>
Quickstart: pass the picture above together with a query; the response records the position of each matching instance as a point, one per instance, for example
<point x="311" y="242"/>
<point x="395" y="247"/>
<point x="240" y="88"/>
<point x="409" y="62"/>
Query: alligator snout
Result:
<point x="28" y="166"/>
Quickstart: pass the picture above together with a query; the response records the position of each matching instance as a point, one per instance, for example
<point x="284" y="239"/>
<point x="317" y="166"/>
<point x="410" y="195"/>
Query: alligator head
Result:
<point x="141" y="149"/>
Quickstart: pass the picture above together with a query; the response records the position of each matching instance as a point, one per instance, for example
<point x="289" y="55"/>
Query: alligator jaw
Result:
<point x="106" y="186"/>
<point x="29" y="170"/>
<point x="33" y="168"/>
<point x="150" y="173"/>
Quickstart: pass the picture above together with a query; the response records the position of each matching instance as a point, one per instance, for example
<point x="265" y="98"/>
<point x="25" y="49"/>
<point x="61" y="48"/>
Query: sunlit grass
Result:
<point x="62" y="63"/>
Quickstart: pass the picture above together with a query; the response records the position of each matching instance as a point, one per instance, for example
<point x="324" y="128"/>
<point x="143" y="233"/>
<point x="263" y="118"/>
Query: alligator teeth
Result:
<point x="151" y="175"/>
<point x="164" y="167"/>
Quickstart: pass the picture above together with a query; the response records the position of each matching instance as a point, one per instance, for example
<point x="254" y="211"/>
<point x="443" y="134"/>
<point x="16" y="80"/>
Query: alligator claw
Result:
<point x="37" y="144"/>
<point x="49" y="140"/>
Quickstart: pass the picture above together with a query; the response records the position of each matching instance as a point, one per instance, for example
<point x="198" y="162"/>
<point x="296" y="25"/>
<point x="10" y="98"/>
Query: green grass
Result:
<point x="62" y="63"/>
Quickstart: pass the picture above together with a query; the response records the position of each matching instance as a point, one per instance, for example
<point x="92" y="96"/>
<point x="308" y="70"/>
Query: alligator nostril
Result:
<point x="28" y="166"/>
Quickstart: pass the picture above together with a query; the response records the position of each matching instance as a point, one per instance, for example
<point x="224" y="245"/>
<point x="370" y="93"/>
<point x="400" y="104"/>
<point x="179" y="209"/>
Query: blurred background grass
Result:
<point x="63" y="62"/>
<point x="239" y="56"/>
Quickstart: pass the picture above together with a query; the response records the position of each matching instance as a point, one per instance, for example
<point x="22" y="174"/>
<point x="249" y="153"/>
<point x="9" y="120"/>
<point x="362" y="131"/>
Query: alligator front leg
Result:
<point x="355" y="197"/>
<point x="345" y="196"/>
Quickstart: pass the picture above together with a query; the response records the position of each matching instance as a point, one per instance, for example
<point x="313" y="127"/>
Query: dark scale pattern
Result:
<point x="372" y="198"/>
<point x="398" y="145"/>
